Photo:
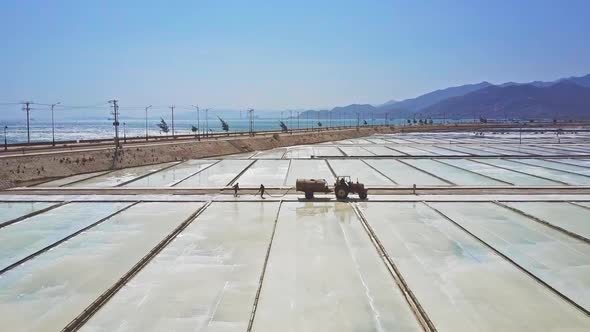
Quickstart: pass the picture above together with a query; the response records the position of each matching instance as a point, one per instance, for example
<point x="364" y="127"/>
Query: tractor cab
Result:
<point x="344" y="185"/>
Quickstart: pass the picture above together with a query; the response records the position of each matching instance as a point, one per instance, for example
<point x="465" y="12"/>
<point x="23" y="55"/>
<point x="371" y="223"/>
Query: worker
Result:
<point x="236" y="188"/>
<point x="261" y="190"/>
<point x="342" y="182"/>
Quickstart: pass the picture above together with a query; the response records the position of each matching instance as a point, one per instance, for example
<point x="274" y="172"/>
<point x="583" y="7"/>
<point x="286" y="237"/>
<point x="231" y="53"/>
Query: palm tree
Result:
<point x="284" y="127"/>
<point x="224" y="125"/>
<point x="163" y="126"/>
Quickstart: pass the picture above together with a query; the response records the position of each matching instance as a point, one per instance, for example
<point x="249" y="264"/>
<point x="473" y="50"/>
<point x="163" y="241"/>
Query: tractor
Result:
<point x="344" y="185"/>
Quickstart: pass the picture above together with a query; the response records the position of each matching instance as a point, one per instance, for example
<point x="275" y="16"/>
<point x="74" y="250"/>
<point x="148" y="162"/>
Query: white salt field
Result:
<point x="510" y="253"/>
<point x="428" y="172"/>
<point x="324" y="275"/>
<point x="271" y="173"/>
<point x="320" y="257"/>
<point x="578" y="162"/>
<point x="21" y="239"/>
<point x="412" y="150"/>
<point x="47" y="292"/>
<point x="555" y="214"/>
<point x="404" y="174"/>
<point x="556" y="166"/>
<point x="300" y="169"/>
<point x="118" y="177"/>
<point x="218" y="175"/>
<point x="10" y="211"/>
<point x="270" y="154"/>
<point x="546" y="173"/>
<point x="326" y="151"/>
<point x="453" y="174"/>
<point x="216" y="261"/>
<point x="558" y="259"/>
<point x="70" y="179"/>
<point x="358" y="170"/>
<point x="502" y="174"/>
<point x="383" y="151"/>
<point x="463" y="285"/>
<point x="173" y="175"/>
<point x="356" y="151"/>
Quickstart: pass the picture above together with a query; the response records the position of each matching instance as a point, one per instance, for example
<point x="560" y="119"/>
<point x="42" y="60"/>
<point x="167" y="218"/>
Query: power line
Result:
<point x="98" y="105"/>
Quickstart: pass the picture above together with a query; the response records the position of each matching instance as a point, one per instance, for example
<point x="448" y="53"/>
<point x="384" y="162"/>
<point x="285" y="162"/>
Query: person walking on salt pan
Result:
<point x="236" y="188"/>
<point x="261" y="190"/>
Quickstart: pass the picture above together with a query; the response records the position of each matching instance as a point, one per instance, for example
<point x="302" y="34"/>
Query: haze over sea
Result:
<point x="91" y="129"/>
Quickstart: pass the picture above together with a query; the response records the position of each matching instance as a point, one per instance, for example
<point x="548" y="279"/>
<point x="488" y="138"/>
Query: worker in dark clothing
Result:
<point x="236" y="188"/>
<point x="342" y="182"/>
<point x="261" y="190"/>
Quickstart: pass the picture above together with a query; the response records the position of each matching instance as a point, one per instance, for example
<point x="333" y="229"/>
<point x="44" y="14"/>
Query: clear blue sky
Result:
<point x="279" y="55"/>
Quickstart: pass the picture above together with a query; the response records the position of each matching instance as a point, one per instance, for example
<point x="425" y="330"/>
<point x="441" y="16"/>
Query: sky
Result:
<point x="278" y="55"/>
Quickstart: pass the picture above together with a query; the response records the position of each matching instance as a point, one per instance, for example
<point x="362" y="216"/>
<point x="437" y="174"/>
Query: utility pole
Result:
<point x="146" y="122"/>
<point x="172" y="109"/>
<point x="53" y="123"/>
<point x="198" y="122"/>
<point x="27" y="108"/>
<point x="207" y="121"/>
<point x="115" y="113"/>
<point x="251" y="119"/>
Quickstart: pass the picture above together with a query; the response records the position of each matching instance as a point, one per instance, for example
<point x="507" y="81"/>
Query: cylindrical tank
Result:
<point x="311" y="185"/>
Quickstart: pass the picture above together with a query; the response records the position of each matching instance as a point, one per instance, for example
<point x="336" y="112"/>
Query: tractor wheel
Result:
<point x="309" y="195"/>
<point x="363" y="195"/>
<point x="341" y="192"/>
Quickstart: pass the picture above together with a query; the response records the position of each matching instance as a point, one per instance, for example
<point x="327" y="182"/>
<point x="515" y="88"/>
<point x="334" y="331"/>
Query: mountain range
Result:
<point x="565" y="98"/>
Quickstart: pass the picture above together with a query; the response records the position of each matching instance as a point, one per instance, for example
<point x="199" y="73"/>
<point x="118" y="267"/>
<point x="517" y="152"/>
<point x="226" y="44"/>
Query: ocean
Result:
<point x="41" y="131"/>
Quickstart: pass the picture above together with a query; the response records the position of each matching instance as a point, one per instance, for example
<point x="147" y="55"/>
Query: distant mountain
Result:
<point x="564" y="99"/>
<point x="350" y="111"/>
<point x="515" y="99"/>
<point x="581" y="80"/>
<point x="405" y="107"/>
<point x="355" y="108"/>
<point x="388" y="103"/>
